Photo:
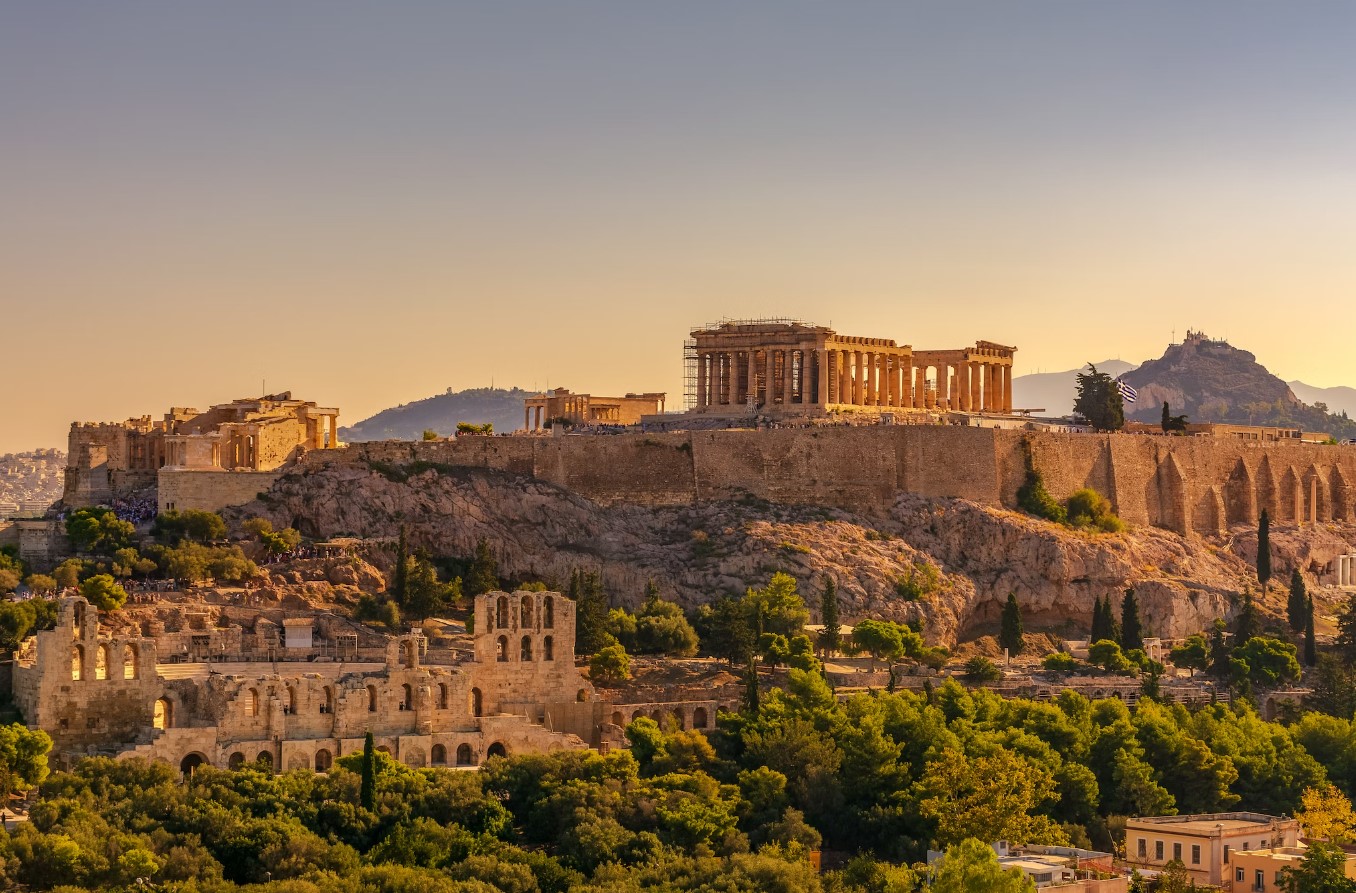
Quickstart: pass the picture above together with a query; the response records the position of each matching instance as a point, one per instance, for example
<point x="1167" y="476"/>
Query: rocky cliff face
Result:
<point x="948" y="562"/>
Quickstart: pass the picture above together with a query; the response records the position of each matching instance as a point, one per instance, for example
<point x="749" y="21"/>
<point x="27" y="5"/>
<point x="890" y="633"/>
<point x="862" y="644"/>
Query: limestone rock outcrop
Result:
<point x="948" y="562"/>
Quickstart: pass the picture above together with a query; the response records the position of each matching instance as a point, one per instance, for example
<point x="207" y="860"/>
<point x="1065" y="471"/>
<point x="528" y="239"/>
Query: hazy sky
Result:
<point x="367" y="203"/>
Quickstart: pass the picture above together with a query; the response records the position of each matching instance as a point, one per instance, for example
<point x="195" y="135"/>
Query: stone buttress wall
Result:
<point x="210" y="490"/>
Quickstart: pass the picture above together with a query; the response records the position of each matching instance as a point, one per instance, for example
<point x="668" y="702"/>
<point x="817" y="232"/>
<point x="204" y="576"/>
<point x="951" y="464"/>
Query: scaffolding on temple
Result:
<point x="689" y="374"/>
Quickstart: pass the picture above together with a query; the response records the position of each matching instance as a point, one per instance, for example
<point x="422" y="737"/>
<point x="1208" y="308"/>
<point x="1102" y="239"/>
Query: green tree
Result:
<point x="972" y="866"/>
<point x="484" y="573"/>
<point x="610" y="664"/>
<point x="726" y="629"/>
<point x="1345" y="642"/>
<point x="1264" y="550"/>
<point x="981" y="669"/>
<point x="98" y="530"/>
<point x="16" y="620"/>
<point x="1332" y="686"/>
<point x="41" y="584"/>
<point x="1296" y="607"/>
<point x="992" y="797"/>
<point x="23" y="759"/>
<point x="752" y="696"/>
<point x="425" y="595"/>
<point x="1248" y="624"/>
<point x="367" y="791"/>
<point x="172" y="527"/>
<point x="1099" y="400"/>
<point x="881" y="639"/>
<point x="1087" y="509"/>
<point x="778" y="607"/>
<point x="661" y="627"/>
<point x="1266" y="661"/>
<point x="1032" y="497"/>
<point x="103" y="592"/>
<point x="590" y="613"/>
<point x="1010" y="634"/>
<point x="1192" y="654"/>
<point x="1310" y="643"/>
<point x="1132" y="631"/>
<point x="1322" y="870"/>
<point x="430" y="434"/>
<point x="1104" y="625"/>
<point x="400" y="574"/>
<point x="831" y="637"/>
<point x="1172" y="424"/>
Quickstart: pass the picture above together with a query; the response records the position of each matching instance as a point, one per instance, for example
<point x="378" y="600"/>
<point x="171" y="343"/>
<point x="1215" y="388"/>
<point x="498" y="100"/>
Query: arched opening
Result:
<point x="407" y="697"/>
<point x="618" y="719"/>
<point x="464" y="757"/>
<point x="501" y="612"/>
<point x="163" y="715"/>
<point x="548" y="612"/>
<point x="501" y="650"/>
<point x="548" y="649"/>
<point x="582" y="695"/>
<point x="699" y="718"/>
<point x="525" y="613"/>
<point x="371" y="699"/>
<point x="526" y="650"/>
<point x="189" y="764"/>
<point x="678" y="718"/>
<point x="292" y="699"/>
<point x="328" y="706"/>
<point x="658" y="716"/>
<point x="438" y="755"/>
<point x="252" y="703"/>
<point x="477" y="702"/>
<point x="101" y="662"/>
<point x="323" y="760"/>
<point x="236" y="760"/>
<point x="497" y="750"/>
<point x="78" y="663"/>
<point x="78" y="617"/>
<point x="442" y="696"/>
<point x="129" y="662"/>
<point x="265" y="759"/>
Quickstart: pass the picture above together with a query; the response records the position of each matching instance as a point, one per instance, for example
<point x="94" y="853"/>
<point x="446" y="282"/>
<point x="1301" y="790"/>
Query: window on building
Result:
<point x="1259" y="881"/>
<point x="1177" y="851"/>
<point x="1158" y="850"/>
<point x="1226" y="854"/>
<point x="1238" y="875"/>
<point x="1195" y="854"/>
<point x="1143" y="848"/>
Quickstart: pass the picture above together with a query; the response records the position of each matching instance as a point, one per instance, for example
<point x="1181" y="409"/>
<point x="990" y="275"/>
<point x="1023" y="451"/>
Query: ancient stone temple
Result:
<point x="789" y="367"/>
<point x="543" y="410"/>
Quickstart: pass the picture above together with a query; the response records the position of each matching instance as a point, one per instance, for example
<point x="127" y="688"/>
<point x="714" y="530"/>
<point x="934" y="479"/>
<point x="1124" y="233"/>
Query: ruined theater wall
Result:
<point x="1200" y="484"/>
<point x="210" y="490"/>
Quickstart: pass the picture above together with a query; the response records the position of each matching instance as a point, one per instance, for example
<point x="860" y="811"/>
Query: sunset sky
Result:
<point x="368" y="203"/>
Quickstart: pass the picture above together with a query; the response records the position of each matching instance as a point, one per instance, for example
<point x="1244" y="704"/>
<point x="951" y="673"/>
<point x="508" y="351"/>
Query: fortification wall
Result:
<point x="1186" y="484"/>
<point x="210" y="490"/>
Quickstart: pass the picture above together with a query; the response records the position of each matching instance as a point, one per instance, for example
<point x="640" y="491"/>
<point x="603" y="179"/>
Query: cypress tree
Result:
<point x="1249" y="623"/>
<point x="1167" y="417"/>
<point x="1010" y="635"/>
<point x="1295" y="608"/>
<point x="401" y="583"/>
<point x="1132" y="631"/>
<point x="1219" y="652"/>
<point x="368" y="793"/>
<point x="484" y="573"/>
<point x="830" y="640"/>
<point x="1264" y="550"/>
<point x="1310" y="646"/>
<point x="1101" y="626"/>
<point x="590" y="613"/>
<point x="751" y="685"/>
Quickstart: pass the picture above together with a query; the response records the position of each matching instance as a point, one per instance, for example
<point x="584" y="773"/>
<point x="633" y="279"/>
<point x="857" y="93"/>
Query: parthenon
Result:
<point x="785" y="366"/>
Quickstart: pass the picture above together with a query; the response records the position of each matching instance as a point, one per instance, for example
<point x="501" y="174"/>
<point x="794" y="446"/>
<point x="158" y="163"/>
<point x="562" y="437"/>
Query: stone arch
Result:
<point x="328" y="706"/>
<point x="443" y="696"/>
<point x="190" y="763"/>
<point x="501" y="650"/>
<point x="406" y="697"/>
<point x="438" y="755"/>
<point x="658" y="716"/>
<point x="323" y="760"/>
<point x="617" y="718"/>
<point x="525" y="612"/>
<point x="548" y="648"/>
<point x="1240" y="495"/>
<point x="265" y="758"/>
<point x="1169" y="493"/>
<point x="548" y="612"/>
<point x="699" y="716"/>
<point x="464" y="755"/>
<point x="582" y="695"/>
<point x="236" y="760"/>
<point x="78" y="619"/>
<point x="78" y="663"/>
<point x="371" y="699"/>
<point x="292" y="699"/>
<point x="1291" y="498"/>
<point x="1317" y="492"/>
<point x="1211" y="514"/>
<point x="677" y="716"/>
<point x="497" y="749"/>
<point x="252" y="702"/>
<point x="525" y="651"/>
<point x="501" y="612"/>
<point x="162" y="714"/>
<point x="477" y="702"/>
<point x="1341" y="494"/>
<point x="130" y="661"/>
<point x="101" y="661"/>
<point x="1267" y="489"/>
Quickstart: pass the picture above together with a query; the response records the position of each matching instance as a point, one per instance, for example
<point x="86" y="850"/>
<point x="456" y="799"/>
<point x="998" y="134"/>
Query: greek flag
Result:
<point x="1128" y="394"/>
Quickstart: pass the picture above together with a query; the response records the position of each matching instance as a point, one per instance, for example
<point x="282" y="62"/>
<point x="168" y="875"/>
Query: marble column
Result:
<point x="751" y="388"/>
<point x="821" y="376"/>
<point x="701" y="380"/>
<point x="1007" y="388"/>
<point x="973" y="374"/>
<point x="869" y="378"/>
<point x="920" y="374"/>
<point x="769" y="385"/>
<point x="858" y="378"/>
<point x="903" y="379"/>
<point x="788" y="380"/>
<point x="887" y="372"/>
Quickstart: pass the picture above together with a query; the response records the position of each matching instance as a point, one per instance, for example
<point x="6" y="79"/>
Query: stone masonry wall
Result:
<point x="210" y="490"/>
<point x="1186" y="484"/>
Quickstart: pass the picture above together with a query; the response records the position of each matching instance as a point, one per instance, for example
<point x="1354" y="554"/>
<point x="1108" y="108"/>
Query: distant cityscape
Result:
<point x="30" y="482"/>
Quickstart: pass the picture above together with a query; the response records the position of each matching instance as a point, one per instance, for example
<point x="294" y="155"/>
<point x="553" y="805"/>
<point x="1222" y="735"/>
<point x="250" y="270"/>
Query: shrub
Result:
<point x="1032" y="497"/>
<point x="981" y="669"/>
<point x="1060" y="662"/>
<point x="1088" y="509"/>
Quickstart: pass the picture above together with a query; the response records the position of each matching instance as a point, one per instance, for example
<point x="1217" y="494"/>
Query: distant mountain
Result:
<point x="500" y="407"/>
<point x="1054" y="392"/>
<point x="1213" y="381"/>
<point x="1338" y="399"/>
